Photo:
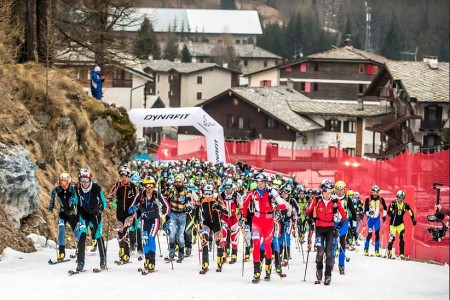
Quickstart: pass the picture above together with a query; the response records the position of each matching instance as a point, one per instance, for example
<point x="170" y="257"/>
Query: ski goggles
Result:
<point x="84" y="180"/>
<point x="150" y="185"/>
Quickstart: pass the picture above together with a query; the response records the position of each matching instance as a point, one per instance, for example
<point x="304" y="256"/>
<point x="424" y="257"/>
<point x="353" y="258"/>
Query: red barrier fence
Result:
<point x="415" y="173"/>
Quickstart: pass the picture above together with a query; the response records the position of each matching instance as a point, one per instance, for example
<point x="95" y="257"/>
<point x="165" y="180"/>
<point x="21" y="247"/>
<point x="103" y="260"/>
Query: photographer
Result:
<point x="396" y="211"/>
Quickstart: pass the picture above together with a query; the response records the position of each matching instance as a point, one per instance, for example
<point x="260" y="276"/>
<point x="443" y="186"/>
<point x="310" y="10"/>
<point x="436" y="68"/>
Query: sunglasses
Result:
<point x="83" y="180"/>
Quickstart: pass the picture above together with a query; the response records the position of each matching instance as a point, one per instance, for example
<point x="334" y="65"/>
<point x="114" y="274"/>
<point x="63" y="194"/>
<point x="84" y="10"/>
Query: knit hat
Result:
<point x="97" y="69"/>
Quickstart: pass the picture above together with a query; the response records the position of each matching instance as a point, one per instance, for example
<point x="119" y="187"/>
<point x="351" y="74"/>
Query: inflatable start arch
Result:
<point x="185" y="116"/>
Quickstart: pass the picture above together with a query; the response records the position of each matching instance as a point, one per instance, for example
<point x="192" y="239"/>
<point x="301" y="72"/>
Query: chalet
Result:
<point x="187" y="84"/>
<point x="201" y="25"/>
<point x="338" y="74"/>
<point x="418" y="93"/>
<point x="251" y="57"/>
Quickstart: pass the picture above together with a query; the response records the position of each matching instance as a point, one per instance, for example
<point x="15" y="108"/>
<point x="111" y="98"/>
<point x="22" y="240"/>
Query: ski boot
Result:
<point x="268" y="269"/>
<point x="327" y="280"/>
<point x="171" y="253"/>
<point x="61" y="256"/>
<point x="80" y="266"/>
<point x="377" y="253"/>
<point x="233" y="256"/>
<point x="318" y="276"/>
<point x="103" y="263"/>
<point x="219" y="264"/>
<point x="402" y="256"/>
<point x="94" y="246"/>
<point x="341" y="270"/>
<point x="256" y="272"/>
<point x="148" y="266"/>
<point x="366" y="252"/>
<point x="188" y="251"/>
<point x="389" y="254"/>
<point x="204" y="269"/>
<point x="180" y="255"/>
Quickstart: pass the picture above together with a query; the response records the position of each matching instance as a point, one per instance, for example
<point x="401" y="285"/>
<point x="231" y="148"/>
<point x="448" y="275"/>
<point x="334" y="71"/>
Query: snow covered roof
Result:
<point x="199" y="20"/>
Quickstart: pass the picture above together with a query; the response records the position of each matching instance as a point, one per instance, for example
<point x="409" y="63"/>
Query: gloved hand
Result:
<point x="166" y="226"/>
<point x="214" y="206"/>
<point x="370" y="213"/>
<point x="189" y="208"/>
<point x="72" y="201"/>
<point x="247" y="228"/>
<point x="414" y="222"/>
<point x="336" y="232"/>
<point x="132" y="209"/>
<point x="242" y="221"/>
<point x="51" y="206"/>
<point x="164" y="210"/>
<point x="383" y="218"/>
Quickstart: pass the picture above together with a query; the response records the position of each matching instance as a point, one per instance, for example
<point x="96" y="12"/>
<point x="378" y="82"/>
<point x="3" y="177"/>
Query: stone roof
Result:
<point x="274" y="102"/>
<point x="208" y="21"/>
<point x="421" y="81"/>
<point x="332" y="108"/>
<point x="180" y="67"/>
<point x="348" y="53"/>
<point x="247" y="50"/>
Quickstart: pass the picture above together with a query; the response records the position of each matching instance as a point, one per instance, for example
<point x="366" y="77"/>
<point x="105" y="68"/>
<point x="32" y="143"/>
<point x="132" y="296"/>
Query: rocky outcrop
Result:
<point x="19" y="188"/>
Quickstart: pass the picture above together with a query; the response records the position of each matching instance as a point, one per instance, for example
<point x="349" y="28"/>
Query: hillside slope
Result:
<point x="64" y="131"/>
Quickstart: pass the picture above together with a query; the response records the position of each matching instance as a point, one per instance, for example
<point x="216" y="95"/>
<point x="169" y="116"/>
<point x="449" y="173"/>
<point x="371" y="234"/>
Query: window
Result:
<point x="307" y="87"/>
<point x="240" y="122"/>
<point x="265" y="64"/>
<point x="303" y="68"/>
<point x="361" y="88"/>
<point x="349" y="126"/>
<point x="199" y="96"/>
<point x="288" y="70"/>
<point x="316" y="66"/>
<point x="199" y="79"/>
<point x="122" y="78"/>
<point x="271" y="123"/>
<point x="238" y="42"/>
<point x="333" y="125"/>
<point x="231" y="121"/>
<point x="361" y="68"/>
<point x="202" y="60"/>
<point x="375" y="69"/>
<point x="265" y="83"/>
<point x="303" y="87"/>
<point x="369" y="69"/>
<point x="315" y="86"/>
<point x="158" y="77"/>
<point x="219" y="41"/>
<point x="245" y="62"/>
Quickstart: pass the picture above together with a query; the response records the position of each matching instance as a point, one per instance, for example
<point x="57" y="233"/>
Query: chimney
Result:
<point x="289" y="85"/>
<point x="360" y="105"/>
<point x="225" y="65"/>
<point x="432" y="61"/>
<point x="194" y="59"/>
<point x="348" y="43"/>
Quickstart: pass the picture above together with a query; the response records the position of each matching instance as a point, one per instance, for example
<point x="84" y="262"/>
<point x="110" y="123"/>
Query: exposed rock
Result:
<point x="19" y="188"/>
<point x="103" y="128"/>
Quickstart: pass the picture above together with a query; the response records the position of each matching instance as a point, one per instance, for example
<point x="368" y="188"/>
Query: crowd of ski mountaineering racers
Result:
<point x="209" y="206"/>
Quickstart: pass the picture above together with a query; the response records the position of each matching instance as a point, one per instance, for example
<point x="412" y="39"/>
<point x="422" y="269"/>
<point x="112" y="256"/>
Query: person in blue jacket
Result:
<point x="96" y="83"/>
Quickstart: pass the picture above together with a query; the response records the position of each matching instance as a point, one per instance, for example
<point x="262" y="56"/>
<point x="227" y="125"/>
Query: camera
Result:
<point x="437" y="232"/>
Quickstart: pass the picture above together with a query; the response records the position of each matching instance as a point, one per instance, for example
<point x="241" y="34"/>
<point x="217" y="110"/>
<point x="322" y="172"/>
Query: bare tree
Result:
<point x="10" y="32"/>
<point x="95" y="26"/>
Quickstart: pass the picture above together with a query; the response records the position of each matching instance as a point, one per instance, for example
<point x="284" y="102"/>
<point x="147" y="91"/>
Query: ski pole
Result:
<point x="159" y="244"/>
<point x="286" y="254"/>
<point x="100" y="240"/>
<point x="167" y="239"/>
<point x="309" y="250"/>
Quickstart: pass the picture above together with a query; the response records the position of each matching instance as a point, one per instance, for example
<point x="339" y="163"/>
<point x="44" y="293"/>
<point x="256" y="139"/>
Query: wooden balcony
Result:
<point x="391" y="121"/>
<point x="429" y="124"/>
<point x="239" y="133"/>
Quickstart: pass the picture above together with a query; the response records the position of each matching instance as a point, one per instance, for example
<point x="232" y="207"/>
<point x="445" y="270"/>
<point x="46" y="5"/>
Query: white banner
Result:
<point x="185" y="116"/>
